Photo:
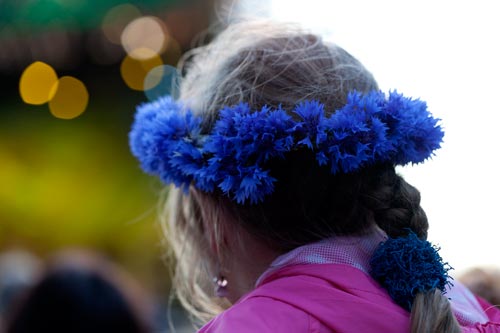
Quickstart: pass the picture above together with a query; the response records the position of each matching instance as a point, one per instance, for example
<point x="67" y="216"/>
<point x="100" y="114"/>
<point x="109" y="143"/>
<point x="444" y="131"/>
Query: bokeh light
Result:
<point x="37" y="84"/>
<point x="144" y="33"/>
<point x="134" y="70"/>
<point x="160" y="81"/>
<point x="116" y="19"/>
<point x="70" y="100"/>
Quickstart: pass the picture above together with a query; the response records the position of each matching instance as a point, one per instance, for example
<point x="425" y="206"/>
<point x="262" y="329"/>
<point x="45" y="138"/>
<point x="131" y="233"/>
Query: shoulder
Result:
<point x="313" y="299"/>
<point x="262" y="314"/>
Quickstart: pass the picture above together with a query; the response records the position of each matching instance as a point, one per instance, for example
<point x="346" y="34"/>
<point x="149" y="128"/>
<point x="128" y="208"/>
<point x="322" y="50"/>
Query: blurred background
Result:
<point x="72" y="72"/>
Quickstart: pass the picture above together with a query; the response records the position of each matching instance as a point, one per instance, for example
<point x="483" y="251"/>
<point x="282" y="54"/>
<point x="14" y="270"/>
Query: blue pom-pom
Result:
<point x="408" y="265"/>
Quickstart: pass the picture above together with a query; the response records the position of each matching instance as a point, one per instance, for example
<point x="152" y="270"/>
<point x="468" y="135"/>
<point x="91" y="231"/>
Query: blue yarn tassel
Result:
<point x="408" y="265"/>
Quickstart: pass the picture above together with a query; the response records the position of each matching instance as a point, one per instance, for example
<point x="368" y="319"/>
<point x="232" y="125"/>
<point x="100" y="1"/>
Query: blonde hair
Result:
<point x="183" y="228"/>
<point x="264" y="63"/>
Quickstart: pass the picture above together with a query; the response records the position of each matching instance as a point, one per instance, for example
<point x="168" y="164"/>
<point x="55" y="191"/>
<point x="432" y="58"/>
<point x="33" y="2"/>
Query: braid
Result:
<point x="396" y="208"/>
<point x="431" y="312"/>
<point x="395" y="204"/>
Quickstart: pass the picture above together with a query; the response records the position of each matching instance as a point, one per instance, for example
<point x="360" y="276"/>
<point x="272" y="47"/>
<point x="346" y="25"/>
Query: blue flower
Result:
<point x="311" y="129"/>
<point x="167" y="141"/>
<point x="414" y="132"/>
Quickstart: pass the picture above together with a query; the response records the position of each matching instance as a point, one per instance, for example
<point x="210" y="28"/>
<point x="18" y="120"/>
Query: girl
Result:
<point x="283" y="153"/>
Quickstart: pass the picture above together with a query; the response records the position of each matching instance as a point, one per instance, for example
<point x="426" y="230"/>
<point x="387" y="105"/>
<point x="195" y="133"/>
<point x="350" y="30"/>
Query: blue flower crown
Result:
<point x="169" y="142"/>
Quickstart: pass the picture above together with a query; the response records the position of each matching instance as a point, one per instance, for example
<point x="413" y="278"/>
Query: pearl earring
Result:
<point x="220" y="286"/>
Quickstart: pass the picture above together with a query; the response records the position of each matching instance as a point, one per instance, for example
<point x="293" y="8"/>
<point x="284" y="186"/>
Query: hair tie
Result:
<point x="406" y="266"/>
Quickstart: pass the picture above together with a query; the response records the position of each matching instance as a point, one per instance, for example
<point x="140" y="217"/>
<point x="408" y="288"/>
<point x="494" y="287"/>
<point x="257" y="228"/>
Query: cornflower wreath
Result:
<point x="168" y="140"/>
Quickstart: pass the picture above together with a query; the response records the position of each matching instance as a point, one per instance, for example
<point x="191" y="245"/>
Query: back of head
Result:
<point x="279" y="65"/>
<point x="76" y="298"/>
<point x="18" y="272"/>
<point x="274" y="65"/>
<point x="484" y="282"/>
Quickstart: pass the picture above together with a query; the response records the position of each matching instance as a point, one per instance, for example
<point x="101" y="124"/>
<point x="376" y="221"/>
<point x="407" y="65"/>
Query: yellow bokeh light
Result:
<point x="146" y="32"/>
<point x="37" y="84"/>
<point x="116" y="19"/>
<point x="70" y="100"/>
<point x="134" y="71"/>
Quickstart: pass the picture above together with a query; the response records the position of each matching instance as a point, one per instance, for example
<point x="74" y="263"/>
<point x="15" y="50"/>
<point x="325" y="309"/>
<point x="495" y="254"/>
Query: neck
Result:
<point x="250" y="258"/>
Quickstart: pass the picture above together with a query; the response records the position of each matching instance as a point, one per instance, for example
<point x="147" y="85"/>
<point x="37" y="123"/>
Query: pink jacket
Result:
<point x="321" y="298"/>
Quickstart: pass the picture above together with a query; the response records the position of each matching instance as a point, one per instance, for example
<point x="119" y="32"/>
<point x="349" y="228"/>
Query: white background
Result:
<point x="446" y="53"/>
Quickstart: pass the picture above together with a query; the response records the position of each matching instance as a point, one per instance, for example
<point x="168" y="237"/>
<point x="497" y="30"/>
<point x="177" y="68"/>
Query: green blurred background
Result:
<point x="73" y="183"/>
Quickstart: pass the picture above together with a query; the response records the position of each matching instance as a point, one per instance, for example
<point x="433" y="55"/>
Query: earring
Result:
<point x="220" y="286"/>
